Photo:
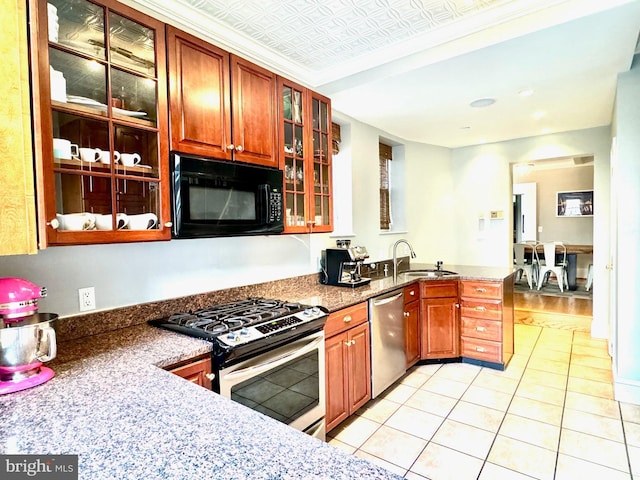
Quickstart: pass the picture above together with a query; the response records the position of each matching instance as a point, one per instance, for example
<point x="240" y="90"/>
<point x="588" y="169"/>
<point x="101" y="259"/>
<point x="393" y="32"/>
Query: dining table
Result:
<point x="572" y="250"/>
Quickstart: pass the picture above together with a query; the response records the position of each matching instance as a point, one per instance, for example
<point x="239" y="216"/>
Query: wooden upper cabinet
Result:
<point x="221" y="106"/>
<point x="199" y="96"/>
<point x="254" y="113"/>
<point x="100" y="123"/>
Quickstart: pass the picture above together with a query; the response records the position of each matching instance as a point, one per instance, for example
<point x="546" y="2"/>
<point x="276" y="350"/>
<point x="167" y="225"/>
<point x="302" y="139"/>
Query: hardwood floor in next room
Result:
<point x="564" y="313"/>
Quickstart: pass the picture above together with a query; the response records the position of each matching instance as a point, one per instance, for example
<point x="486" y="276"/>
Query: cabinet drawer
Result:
<point x="481" y="349"/>
<point x="438" y="289"/>
<point x="481" y="329"/>
<point x="411" y="293"/>
<point x="481" y="289"/>
<point x="481" y="309"/>
<point x="346" y="318"/>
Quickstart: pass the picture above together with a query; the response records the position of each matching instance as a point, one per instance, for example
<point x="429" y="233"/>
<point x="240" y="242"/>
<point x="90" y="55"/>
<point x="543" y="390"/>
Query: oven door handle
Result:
<point x="278" y="360"/>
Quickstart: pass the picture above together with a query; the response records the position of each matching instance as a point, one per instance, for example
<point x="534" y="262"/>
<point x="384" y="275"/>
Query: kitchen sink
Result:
<point x="430" y="272"/>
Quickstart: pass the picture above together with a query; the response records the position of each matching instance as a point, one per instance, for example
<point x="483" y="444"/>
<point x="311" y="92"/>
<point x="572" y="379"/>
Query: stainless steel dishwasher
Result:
<point x="386" y="317"/>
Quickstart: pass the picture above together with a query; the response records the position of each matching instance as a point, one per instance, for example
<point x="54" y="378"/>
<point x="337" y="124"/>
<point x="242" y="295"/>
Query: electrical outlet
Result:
<point x="87" y="298"/>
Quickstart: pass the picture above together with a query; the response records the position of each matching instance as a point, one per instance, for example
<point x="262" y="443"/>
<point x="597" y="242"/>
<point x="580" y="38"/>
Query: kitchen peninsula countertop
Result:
<point x="112" y="404"/>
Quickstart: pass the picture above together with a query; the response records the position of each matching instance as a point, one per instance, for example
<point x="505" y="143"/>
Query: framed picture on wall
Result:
<point x="578" y="203"/>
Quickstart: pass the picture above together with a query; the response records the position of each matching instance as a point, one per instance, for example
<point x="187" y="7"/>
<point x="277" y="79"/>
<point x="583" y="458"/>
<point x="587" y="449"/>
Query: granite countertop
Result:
<point x="112" y="404"/>
<point x="126" y="418"/>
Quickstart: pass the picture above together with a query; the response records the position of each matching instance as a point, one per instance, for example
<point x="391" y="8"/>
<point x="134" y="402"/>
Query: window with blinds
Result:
<point x="385" y="186"/>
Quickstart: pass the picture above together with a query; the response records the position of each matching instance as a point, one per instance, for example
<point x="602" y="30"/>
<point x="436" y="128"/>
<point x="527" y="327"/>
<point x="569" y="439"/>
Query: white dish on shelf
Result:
<point x="145" y="166"/>
<point x="84" y="101"/>
<point x="128" y="113"/>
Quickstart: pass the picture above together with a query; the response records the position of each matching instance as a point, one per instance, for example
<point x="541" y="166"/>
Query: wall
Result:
<point x="549" y="182"/>
<point x="626" y="267"/>
<point x="428" y="197"/>
<point x="483" y="181"/>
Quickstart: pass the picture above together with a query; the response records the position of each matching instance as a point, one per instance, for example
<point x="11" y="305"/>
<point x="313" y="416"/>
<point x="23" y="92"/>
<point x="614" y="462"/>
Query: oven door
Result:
<point x="287" y="383"/>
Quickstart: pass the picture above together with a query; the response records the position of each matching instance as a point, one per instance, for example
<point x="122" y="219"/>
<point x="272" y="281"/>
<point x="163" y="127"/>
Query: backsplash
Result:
<point x="384" y="268"/>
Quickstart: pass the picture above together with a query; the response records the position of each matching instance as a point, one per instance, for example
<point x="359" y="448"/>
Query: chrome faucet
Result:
<point x="395" y="261"/>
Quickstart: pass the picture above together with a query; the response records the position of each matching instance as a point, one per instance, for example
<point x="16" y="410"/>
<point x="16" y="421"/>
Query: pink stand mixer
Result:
<point x="26" y="337"/>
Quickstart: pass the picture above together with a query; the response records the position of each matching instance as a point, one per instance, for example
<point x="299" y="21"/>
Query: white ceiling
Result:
<point x="411" y="67"/>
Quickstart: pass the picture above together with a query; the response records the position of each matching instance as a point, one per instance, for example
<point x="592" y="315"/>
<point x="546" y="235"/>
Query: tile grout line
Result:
<point x="626" y="446"/>
<point x="484" y="463"/>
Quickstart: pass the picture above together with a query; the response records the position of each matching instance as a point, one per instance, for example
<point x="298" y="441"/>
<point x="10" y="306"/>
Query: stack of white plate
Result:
<point x="53" y="22"/>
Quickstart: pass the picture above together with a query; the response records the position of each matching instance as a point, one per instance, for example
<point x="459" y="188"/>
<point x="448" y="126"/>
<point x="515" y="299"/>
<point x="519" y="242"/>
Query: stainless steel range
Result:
<point x="267" y="355"/>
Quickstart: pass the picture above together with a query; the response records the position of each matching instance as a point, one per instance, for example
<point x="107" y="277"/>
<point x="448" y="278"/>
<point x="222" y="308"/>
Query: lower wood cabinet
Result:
<point x="412" y="324"/>
<point x="197" y="371"/>
<point x="347" y="362"/>
<point x="486" y="317"/>
<point x="439" y="319"/>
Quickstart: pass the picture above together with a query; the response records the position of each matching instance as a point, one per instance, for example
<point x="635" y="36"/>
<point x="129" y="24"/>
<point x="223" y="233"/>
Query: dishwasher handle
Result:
<point x="383" y="301"/>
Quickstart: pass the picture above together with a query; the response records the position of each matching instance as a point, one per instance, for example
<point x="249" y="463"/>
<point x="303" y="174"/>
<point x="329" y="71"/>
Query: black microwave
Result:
<point x="219" y="198"/>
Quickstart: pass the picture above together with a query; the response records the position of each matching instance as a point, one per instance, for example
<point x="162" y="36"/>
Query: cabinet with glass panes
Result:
<point x="101" y="122"/>
<point x="305" y="158"/>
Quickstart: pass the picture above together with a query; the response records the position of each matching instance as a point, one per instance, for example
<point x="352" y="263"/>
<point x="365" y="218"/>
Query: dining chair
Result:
<point x="589" y="277"/>
<point x="524" y="265"/>
<point x="552" y="265"/>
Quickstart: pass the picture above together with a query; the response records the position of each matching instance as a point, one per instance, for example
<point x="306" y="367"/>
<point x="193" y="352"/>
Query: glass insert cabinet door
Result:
<point x="102" y="113"/>
<point x="305" y="158"/>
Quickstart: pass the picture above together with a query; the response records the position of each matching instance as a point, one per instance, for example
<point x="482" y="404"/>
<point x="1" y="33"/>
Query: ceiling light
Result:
<point x="482" y="102"/>
<point x="527" y="92"/>
<point x="538" y="115"/>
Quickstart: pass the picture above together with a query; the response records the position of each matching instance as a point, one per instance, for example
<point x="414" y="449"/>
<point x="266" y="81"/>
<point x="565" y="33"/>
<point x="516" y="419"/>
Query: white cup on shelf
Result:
<point x="90" y="154"/>
<point x="143" y="221"/>
<point x="105" y="157"/>
<point x="130" y="159"/>
<point x="64" y="149"/>
<point x="76" y="221"/>
<point x="105" y="221"/>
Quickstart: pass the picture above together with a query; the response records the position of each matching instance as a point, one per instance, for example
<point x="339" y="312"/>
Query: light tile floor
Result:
<point x="549" y="415"/>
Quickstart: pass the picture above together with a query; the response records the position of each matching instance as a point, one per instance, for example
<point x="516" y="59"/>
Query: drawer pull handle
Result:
<point x="481" y="309"/>
<point x="480" y="349"/>
<point x="481" y="290"/>
<point x="346" y="319"/>
<point x="481" y="329"/>
<point x="210" y="376"/>
<point x="349" y="343"/>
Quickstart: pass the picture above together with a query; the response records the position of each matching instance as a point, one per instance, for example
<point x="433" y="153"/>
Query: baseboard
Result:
<point x="626" y="390"/>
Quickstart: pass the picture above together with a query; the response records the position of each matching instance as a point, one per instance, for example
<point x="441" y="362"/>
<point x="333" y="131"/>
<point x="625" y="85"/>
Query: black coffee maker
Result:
<point x="342" y="266"/>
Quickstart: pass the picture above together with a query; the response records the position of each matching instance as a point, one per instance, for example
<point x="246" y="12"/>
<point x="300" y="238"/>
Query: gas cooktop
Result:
<point x="244" y="321"/>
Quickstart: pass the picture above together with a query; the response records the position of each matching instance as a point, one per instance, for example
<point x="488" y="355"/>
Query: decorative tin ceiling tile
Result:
<point x="317" y="33"/>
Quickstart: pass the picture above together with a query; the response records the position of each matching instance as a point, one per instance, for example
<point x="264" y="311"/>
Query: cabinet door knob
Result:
<point x="55" y="224"/>
<point x="412" y="293"/>
<point x="231" y="146"/>
<point x="346" y="319"/>
<point x="168" y="224"/>
<point x="239" y="148"/>
<point x="210" y="376"/>
<point x="407" y="314"/>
